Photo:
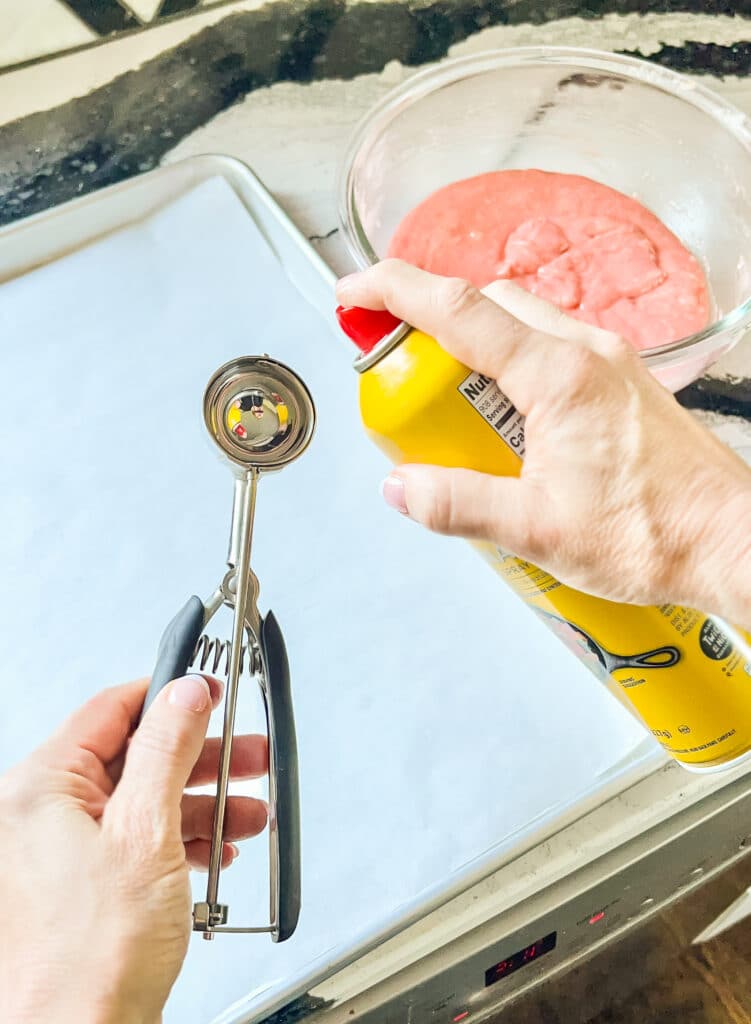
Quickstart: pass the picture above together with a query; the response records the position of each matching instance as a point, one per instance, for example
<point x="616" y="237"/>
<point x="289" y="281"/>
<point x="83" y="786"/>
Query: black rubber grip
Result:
<point x="176" y="648"/>
<point x="284" y="751"/>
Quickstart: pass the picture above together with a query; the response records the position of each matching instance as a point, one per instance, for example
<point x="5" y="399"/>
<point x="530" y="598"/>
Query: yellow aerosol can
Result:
<point x="686" y="675"/>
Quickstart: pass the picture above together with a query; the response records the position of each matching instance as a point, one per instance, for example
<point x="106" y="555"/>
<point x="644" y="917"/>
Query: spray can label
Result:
<point x="484" y="395"/>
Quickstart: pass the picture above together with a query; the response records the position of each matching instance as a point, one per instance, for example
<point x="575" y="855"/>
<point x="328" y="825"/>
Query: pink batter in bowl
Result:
<point x="597" y="254"/>
<point x="668" y="146"/>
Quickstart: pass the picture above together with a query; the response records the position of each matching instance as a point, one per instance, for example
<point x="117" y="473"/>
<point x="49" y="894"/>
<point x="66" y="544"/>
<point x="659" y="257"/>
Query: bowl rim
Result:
<point x="429" y="80"/>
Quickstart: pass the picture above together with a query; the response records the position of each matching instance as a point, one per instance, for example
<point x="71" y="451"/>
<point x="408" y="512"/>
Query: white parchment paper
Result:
<point x="436" y="716"/>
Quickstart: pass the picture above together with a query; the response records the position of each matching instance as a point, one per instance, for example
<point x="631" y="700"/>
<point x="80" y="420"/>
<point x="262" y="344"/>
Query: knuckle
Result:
<point x="530" y="540"/>
<point x="80" y="788"/>
<point x="539" y="537"/>
<point x="455" y="296"/>
<point x="389" y="275"/>
<point x="446" y="508"/>
<point x="388" y="272"/>
<point x="83" y="762"/>
<point x="615" y="347"/>
<point x="559" y="322"/>
<point x="390" y="266"/>
<point x="579" y="371"/>
<point x="437" y="512"/>
<point x="155" y="738"/>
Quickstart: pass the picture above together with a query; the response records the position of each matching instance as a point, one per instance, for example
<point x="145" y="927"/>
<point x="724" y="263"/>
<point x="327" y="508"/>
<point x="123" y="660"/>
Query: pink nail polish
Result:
<point x="216" y="687"/>
<point x="191" y="693"/>
<point x="392" y="490"/>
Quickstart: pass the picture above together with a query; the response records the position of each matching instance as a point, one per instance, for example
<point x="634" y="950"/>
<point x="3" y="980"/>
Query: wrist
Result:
<point x="81" y="1010"/>
<point x="71" y="998"/>
<point x="716" y="578"/>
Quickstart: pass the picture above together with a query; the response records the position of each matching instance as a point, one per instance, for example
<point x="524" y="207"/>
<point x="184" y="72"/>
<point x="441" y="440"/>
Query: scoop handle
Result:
<point x="176" y="648"/>
<point x="285" y="833"/>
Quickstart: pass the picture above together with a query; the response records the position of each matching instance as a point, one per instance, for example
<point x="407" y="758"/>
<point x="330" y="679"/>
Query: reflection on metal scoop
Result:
<point x="259" y="413"/>
<point x="261" y="416"/>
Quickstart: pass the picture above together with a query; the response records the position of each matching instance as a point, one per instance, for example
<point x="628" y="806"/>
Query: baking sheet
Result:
<point x="436" y="717"/>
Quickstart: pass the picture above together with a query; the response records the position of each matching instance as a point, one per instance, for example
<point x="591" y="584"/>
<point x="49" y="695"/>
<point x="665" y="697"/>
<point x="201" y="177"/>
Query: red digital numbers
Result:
<point x="520" y="959"/>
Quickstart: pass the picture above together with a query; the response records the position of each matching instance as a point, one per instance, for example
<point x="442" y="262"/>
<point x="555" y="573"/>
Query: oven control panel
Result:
<point x="616" y="892"/>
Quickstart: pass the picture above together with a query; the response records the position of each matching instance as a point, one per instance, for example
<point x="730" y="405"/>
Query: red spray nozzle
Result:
<point x="366" y="327"/>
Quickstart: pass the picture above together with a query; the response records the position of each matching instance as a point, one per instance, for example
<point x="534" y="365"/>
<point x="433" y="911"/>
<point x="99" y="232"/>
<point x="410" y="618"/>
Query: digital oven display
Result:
<point x="525" y="956"/>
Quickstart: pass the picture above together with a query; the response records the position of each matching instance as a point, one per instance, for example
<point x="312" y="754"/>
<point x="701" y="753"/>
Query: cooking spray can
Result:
<point x="685" y="675"/>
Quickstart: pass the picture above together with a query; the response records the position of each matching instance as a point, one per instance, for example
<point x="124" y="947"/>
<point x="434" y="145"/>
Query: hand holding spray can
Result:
<point x="685" y="675"/>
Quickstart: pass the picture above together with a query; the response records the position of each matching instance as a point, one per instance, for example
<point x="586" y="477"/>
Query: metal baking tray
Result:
<point x="430" y="704"/>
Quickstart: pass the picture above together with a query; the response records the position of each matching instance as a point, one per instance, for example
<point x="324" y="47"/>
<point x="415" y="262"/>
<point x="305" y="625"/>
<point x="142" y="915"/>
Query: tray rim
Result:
<point x="192" y="171"/>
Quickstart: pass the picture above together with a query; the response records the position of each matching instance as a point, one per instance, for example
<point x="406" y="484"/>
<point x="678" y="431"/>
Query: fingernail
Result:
<point x="345" y="284"/>
<point x="216" y="689"/>
<point x="235" y="851"/>
<point x="191" y="693"/>
<point x="392" y="490"/>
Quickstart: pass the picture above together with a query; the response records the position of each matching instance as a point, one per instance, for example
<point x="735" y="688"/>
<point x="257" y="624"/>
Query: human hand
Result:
<point x="622" y="493"/>
<point x="96" y="837"/>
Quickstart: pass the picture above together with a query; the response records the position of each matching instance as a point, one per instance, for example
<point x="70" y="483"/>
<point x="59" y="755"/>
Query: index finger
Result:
<point x="105" y="722"/>
<point x="471" y="327"/>
<point x="250" y="760"/>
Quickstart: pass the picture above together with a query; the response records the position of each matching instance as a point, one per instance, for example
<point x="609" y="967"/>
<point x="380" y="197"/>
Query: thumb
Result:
<point x="463" y="503"/>
<point x="161" y="756"/>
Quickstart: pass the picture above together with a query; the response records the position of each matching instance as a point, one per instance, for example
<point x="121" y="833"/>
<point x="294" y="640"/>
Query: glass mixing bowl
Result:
<point x="655" y="135"/>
